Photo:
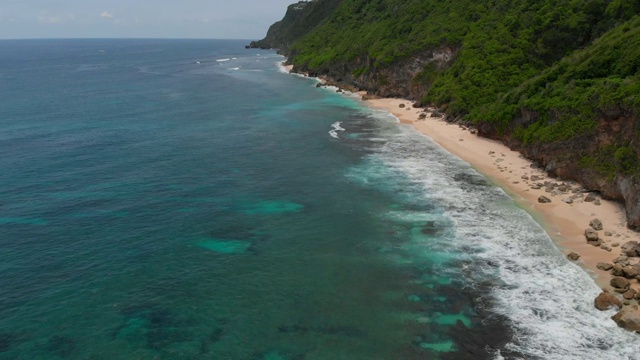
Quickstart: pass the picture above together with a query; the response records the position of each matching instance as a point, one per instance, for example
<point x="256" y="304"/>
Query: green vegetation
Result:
<point x="600" y="81"/>
<point x="560" y="79"/>
<point x="500" y="43"/>
<point x="300" y="18"/>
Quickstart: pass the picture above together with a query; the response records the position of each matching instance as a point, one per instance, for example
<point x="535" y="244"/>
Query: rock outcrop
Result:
<point x="596" y="224"/>
<point x="628" y="318"/>
<point x="606" y="301"/>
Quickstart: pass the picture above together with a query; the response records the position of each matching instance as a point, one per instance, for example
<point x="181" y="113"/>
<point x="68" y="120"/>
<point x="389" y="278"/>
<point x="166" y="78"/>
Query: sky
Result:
<point x="211" y="19"/>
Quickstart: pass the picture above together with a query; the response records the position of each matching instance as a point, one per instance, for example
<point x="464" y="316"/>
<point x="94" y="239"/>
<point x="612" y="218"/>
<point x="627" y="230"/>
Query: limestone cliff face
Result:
<point x="564" y="159"/>
<point x="396" y="80"/>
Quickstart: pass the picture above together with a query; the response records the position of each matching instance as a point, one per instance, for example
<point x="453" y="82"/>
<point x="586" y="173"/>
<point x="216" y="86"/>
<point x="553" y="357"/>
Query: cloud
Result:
<point x="106" y="15"/>
<point x="56" y="19"/>
<point x="50" y="19"/>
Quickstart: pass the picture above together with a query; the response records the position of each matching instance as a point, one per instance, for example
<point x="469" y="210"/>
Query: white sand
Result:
<point x="565" y="223"/>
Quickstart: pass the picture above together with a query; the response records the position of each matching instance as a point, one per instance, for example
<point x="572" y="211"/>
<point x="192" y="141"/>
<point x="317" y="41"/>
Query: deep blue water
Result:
<point x="185" y="199"/>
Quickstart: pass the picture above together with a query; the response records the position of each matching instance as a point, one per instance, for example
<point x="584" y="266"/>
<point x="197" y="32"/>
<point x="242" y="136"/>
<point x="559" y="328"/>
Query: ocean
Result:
<point x="188" y="199"/>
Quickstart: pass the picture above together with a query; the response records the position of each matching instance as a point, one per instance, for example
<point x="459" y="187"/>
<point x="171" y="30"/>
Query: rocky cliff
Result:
<point x="559" y="81"/>
<point x="300" y="18"/>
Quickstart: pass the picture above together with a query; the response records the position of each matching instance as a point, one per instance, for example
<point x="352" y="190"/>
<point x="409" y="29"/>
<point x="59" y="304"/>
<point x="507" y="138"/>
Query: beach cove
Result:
<point x="590" y="231"/>
<point x="566" y="216"/>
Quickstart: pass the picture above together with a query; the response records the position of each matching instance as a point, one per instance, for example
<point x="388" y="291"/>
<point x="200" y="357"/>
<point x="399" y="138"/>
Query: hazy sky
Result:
<point x="222" y="19"/>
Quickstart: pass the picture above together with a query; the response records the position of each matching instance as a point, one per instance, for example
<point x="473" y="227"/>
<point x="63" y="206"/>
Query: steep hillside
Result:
<point x="581" y="117"/>
<point x="556" y="79"/>
<point x="300" y="19"/>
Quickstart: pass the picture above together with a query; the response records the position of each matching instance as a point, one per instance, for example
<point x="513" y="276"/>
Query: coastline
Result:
<point x="565" y="216"/>
<point x="565" y="223"/>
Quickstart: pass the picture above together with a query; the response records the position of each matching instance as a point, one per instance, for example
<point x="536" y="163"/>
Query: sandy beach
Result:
<point x="565" y="221"/>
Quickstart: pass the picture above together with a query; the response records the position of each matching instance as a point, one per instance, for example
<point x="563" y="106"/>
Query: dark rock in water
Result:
<point x="294" y="329"/>
<point x="628" y="318"/>
<point x="573" y="256"/>
<point x="471" y="179"/>
<point x="340" y="330"/>
<point x="216" y="335"/>
<point x="319" y="85"/>
<point x="325" y="330"/>
<point x="596" y="224"/>
<point x="6" y="340"/>
<point x="619" y="282"/>
<point x="61" y="345"/>
<point x="604" y="266"/>
<point x="276" y="354"/>
<point x="606" y="301"/>
<point x="430" y="228"/>
<point x="158" y="326"/>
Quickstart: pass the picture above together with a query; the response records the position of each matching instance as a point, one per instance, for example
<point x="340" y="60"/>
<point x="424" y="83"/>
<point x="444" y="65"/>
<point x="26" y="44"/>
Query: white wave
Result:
<point x="548" y="300"/>
<point x="333" y="134"/>
<point x="223" y="60"/>
<point x="235" y="68"/>
<point x="282" y="68"/>
<point x="336" y="126"/>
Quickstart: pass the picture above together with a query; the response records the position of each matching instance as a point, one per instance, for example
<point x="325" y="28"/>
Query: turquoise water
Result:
<point x="186" y="200"/>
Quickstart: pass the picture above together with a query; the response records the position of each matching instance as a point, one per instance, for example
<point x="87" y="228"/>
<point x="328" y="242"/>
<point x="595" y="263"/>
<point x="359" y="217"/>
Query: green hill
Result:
<point x="557" y="80"/>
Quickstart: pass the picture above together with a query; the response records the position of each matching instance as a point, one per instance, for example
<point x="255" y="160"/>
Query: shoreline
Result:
<point x="565" y="223"/>
<point x="566" y="213"/>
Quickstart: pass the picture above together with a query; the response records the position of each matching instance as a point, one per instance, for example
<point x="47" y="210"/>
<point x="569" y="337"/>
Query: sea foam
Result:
<point x="547" y="299"/>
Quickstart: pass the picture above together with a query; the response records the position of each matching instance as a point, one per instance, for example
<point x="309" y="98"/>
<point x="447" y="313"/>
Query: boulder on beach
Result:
<point x="630" y="272"/>
<point x="629" y="295"/>
<point x="606" y="301"/>
<point x="573" y="256"/>
<point x="596" y="224"/>
<point x="622" y="260"/>
<point x="631" y="249"/>
<point x="628" y="318"/>
<point x="591" y="235"/>
<point x="619" y="282"/>
<point x="589" y="198"/>
<point x="616" y="270"/>
<point x="604" y="266"/>
<point x="401" y="106"/>
<point x="544" y="200"/>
